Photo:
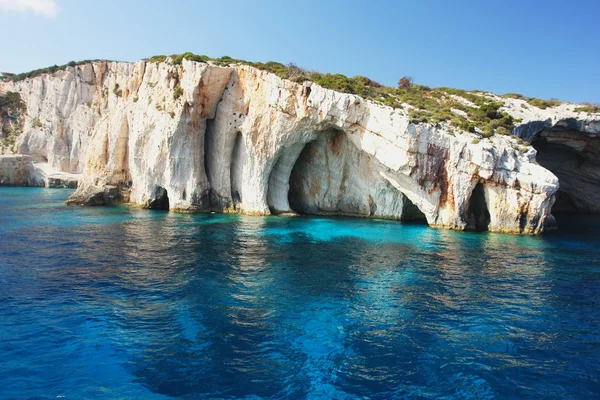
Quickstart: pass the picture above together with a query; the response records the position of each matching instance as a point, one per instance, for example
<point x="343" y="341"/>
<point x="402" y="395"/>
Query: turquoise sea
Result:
<point x="125" y="303"/>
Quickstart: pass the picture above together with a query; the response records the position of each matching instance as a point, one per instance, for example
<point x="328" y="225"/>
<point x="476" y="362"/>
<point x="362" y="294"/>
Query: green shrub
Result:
<point x="50" y="70"/>
<point x="173" y="75"/>
<point x="178" y="92"/>
<point x="118" y="92"/>
<point x="475" y="141"/>
<point x="156" y="59"/>
<point x="36" y="123"/>
<point x="489" y="110"/>
<point x="225" y="61"/>
<point x="501" y="130"/>
<point x="487" y="132"/>
<point x="11" y="101"/>
<point x="463" y="124"/>
<point x="418" y="116"/>
<point x="543" y="104"/>
<point x="513" y="96"/>
<point x="178" y="58"/>
<point x="588" y="108"/>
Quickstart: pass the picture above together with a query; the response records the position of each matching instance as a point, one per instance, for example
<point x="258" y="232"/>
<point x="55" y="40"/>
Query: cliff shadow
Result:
<point x="574" y="157"/>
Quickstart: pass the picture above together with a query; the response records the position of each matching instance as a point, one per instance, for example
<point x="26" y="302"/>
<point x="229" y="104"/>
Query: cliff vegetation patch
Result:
<point x="48" y="70"/>
<point x="11" y="119"/>
<point x="472" y="111"/>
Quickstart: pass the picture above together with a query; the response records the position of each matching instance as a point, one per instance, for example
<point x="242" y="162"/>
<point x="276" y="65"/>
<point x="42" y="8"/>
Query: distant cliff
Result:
<point x="195" y="136"/>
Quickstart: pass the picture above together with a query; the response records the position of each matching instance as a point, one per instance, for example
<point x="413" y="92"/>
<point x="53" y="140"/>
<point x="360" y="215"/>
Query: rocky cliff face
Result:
<point x="199" y="137"/>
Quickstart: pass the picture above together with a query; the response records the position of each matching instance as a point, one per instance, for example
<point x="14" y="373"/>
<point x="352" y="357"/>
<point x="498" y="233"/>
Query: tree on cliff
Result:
<point x="405" y="82"/>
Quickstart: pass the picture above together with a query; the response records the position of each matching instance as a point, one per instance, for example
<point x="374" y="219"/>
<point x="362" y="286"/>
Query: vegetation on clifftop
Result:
<point x="480" y="113"/>
<point x="47" y="70"/>
<point x="473" y="111"/>
<point x="588" y="108"/>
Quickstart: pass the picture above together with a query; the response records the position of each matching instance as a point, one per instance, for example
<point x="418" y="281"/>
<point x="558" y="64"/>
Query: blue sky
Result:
<point x="547" y="49"/>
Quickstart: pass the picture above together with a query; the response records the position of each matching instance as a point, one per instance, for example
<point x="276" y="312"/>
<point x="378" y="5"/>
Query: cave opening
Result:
<point x="300" y="187"/>
<point x="572" y="156"/>
<point x="160" y="199"/>
<point x="412" y="213"/>
<point x="478" y="215"/>
<point x="238" y="157"/>
<point x="331" y="176"/>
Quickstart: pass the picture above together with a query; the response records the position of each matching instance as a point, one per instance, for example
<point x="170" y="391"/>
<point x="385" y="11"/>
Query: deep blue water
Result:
<point x="129" y="303"/>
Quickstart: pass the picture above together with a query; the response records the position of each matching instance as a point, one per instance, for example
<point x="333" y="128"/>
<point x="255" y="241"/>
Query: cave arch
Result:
<point x="278" y="184"/>
<point x="329" y="174"/>
<point x="478" y="215"/>
<point x="410" y="212"/>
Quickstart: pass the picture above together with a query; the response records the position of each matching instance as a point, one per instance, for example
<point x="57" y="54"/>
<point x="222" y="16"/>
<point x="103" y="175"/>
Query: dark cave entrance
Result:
<point x="478" y="215"/>
<point x="238" y="156"/>
<point x="160" y="199"/>
<point x="563" y="204"/>
<point x="299" y="187"/>
<point x="411" y="212"/>
<point x="574" y="157"/>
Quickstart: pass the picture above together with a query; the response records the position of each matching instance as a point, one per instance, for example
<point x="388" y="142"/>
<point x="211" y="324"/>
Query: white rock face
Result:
<point x="198" y="137"/>
<point x="21" y="170"/>
<point x="17" y="170"/>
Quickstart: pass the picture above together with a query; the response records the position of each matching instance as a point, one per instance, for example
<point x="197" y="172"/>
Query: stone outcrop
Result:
<point x="21" y="170"/>
<point x="199" y="137"/>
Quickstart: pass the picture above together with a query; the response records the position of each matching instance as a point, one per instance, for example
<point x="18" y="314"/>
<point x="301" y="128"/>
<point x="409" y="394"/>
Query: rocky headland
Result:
<point x="197" y="136"/>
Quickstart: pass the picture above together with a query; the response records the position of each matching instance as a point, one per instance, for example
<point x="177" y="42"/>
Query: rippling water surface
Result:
<point x="129" y="303"/>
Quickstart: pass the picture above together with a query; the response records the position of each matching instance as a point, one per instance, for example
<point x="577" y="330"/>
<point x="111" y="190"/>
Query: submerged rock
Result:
<point x="199" y="137"/>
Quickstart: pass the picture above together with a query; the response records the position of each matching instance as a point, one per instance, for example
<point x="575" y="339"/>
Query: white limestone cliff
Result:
<point x="199" y="137"/>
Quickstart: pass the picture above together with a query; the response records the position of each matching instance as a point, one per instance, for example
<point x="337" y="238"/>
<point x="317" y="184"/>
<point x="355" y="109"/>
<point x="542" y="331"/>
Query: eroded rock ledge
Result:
<point x="197" y="137"/>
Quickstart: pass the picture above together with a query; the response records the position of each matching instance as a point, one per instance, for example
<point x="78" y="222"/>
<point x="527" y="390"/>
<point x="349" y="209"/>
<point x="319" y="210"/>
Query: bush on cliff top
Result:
<point x="425" y="105"/>
<point x="48" y="70"/>
<point x="539" y="103"/>
<point x="588" y="108"/>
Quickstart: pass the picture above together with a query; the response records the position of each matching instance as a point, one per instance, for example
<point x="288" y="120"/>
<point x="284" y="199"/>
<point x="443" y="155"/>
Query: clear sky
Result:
<point x="547" y="49"/>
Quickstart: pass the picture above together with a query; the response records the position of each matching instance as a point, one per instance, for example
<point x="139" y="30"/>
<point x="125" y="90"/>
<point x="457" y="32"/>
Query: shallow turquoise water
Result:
<point x="129" y="303"/>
